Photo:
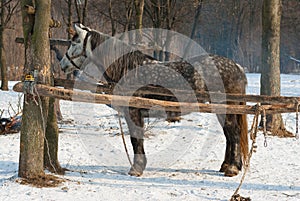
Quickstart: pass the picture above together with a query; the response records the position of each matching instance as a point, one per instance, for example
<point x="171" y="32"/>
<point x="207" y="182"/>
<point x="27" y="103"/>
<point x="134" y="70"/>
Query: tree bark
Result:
<point x="270" y="76"/>
<point x="81" y="9"/>
<point x="35" y="107"/>
<point x="196" y="21"/>
<point x="3" y="67"/>
<point x="139" y="9"/>
<point x="51" y="142"/>
<point x="51" y="136"/>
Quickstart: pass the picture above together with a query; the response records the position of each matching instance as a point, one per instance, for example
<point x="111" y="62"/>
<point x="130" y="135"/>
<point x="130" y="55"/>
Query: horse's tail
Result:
<point x="244" y="136"/>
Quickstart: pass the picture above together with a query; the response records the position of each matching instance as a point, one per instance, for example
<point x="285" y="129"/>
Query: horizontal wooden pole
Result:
<point x="153" y="104"/>
<point x="201" y="96"/>
<point x="53" y="41"/>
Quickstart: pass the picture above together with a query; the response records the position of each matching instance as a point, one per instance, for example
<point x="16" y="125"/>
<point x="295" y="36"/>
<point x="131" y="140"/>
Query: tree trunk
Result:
<point x="85" y="6"/>
<point x="112" y="20"/>
<point x="78" y="11"/>
<point x="51" y="142"/>
<point x="35" y="107"/>
<point x="51" y="137"/>
<point x="81" y="8"/>
<point x="139" y="9"/>
<point x="3" y="67"/>
<point x="194" y="28"/>
<point x="270" y="76"/>
<point x="69" y="18"/>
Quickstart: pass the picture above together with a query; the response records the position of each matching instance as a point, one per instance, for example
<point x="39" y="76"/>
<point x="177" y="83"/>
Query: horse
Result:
<point x="83" y="46"/>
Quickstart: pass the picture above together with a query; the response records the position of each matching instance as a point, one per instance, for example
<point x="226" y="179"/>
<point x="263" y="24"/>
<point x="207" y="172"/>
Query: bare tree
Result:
<point x="270" y="76"/>
<point x="113" y="26"/>
<point x="139" y="10"/>
<point x="81" y="10"/>
<point x="69" y="18"/>
<point x="36" y="18"/>
<point x="164" y="15"/>
<point x="8" y="9"/>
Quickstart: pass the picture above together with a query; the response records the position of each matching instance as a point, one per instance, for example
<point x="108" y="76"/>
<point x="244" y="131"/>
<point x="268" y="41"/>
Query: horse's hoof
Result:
<point x="134" y="172"/>
<point x="224" y="166"/>
<point x="173" y="119"/>
<point x="231" y="171"/>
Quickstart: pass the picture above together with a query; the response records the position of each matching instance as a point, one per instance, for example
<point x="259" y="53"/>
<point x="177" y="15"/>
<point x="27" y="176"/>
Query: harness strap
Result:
<point x="71" y="60"/>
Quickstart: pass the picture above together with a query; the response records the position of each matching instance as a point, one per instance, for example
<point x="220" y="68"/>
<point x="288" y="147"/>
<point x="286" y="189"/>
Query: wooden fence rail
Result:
<point x="201" y="96"/>
<point x="154" y="104"/>
<point x="53" y="41"/>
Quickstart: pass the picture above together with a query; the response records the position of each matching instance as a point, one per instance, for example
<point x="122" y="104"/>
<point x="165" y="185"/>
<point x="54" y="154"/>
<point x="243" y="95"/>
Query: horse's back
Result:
<point x="232" y="74"/>
<point x="204" y="73"/>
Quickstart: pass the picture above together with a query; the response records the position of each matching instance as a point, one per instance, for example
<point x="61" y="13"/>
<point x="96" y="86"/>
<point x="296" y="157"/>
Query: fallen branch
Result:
<point x="154" y="104"/>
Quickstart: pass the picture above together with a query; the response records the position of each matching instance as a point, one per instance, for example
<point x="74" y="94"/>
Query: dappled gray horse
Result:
<point x="135" y="68"/>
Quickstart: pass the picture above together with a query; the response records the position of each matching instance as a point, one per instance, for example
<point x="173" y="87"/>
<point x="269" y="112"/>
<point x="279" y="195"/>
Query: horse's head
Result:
<point x="78" y="51"/>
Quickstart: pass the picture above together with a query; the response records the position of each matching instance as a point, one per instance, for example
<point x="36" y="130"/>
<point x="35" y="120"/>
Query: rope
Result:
<point x="124" y="142"/>
<point x="123" y="139"/>
<point x="253" y="135"/>
<point x="30" y="89"/>
<point x="44" y="128"/>
<point x="297" y="120"/>
<point x="265" y="127"/>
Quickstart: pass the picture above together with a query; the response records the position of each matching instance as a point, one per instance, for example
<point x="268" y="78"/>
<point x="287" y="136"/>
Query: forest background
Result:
<point x="231" y="28"/>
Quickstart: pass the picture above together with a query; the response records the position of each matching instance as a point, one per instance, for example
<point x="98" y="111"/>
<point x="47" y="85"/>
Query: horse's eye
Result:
<point x="75" y="42"/>
<point x="75" y="39"/>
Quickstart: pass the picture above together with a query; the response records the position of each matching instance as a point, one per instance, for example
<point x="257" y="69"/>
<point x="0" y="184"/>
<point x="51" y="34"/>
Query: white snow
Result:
<point x="183" y="158"/>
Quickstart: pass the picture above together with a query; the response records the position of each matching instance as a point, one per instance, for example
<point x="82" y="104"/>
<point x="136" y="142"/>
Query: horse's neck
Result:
<point x="117" y="56"/>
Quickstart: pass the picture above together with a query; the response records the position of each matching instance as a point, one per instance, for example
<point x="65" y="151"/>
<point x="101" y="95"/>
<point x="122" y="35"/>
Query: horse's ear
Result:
<point x="78" y="29"/>
<point x="84" y="27"/>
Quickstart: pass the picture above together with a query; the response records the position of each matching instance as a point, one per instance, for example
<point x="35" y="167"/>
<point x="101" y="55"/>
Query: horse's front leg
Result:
<point x="135" y="124"/>
<point x="233" y="162"/>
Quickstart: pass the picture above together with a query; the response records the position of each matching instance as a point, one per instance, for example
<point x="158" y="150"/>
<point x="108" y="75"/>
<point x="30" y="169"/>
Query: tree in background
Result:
<point x="139" y="11"/>
<point x="8" y="9"/>
<point x="165" y="15"/>
<point x="219" y="25"/>
<point x="81" y="10"/>
<point x="270" y="76"/>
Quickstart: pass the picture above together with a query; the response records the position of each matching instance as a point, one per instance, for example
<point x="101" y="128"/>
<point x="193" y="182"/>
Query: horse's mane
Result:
<point x="116" y="56"/>
<point x="97" y="38"/>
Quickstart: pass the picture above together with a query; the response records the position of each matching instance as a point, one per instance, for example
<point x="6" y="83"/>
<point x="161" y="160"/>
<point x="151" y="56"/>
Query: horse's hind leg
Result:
<point x="232" y="161"/>
<point x="135" y="124"/>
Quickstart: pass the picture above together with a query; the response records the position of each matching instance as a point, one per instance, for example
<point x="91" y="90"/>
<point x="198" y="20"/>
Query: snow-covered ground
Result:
<point x="183" y="158"/>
